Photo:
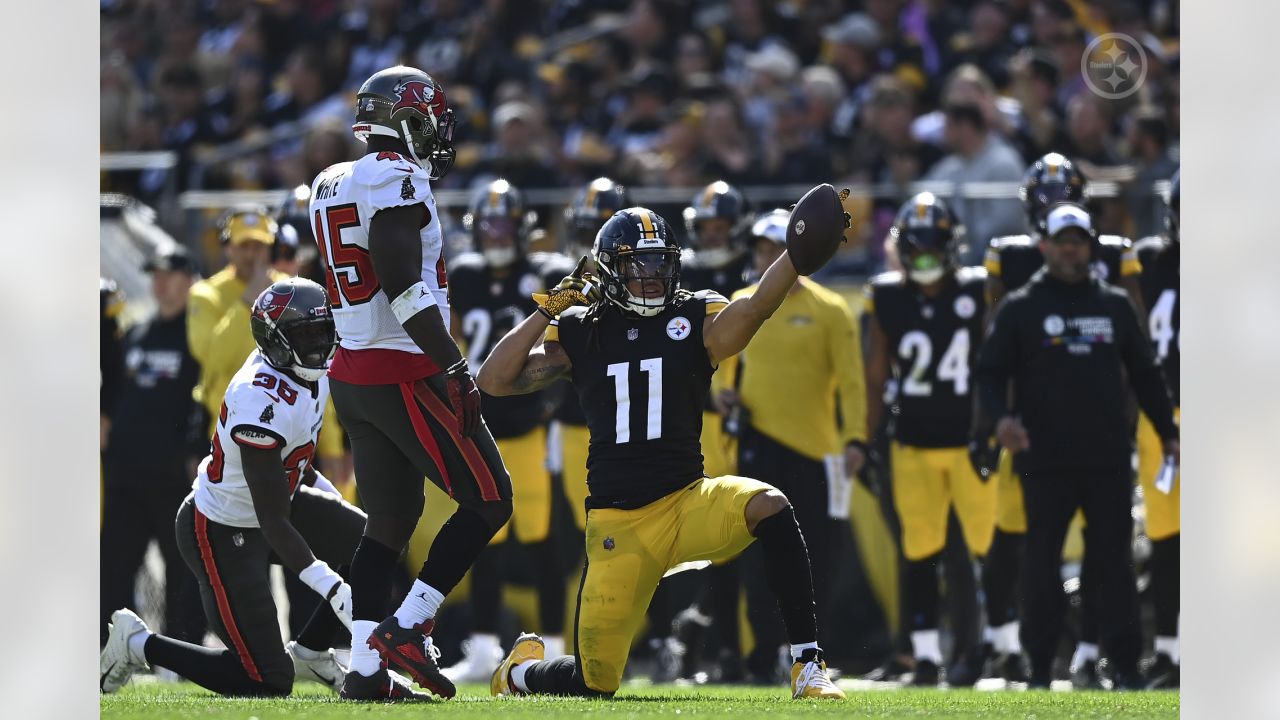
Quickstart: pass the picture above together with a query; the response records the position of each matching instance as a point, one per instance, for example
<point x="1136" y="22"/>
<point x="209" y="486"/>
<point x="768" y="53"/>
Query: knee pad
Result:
<point x="494" y="514"/>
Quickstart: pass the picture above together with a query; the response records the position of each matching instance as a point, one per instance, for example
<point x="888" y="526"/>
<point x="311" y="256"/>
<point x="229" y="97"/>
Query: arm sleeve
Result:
<point x="851" y="383"/>
<point x="1144" y="374"/>
<point x="996" y="363"/>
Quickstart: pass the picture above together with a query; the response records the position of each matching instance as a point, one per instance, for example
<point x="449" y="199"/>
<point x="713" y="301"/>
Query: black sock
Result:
<point x="549" y="577"/>
<point x="486" y="590"/>
<point x="1000" y="578"/>
<point x="323" y="626"/>
<point x="920" y="586"/>
<point x="1165" y="581"/>
<point x="786" y="570"/>
<point x="455" y="549"/>
<point x="370" y="578"/>
<point x="216" y="670"/>
<point x="559" y="676"/>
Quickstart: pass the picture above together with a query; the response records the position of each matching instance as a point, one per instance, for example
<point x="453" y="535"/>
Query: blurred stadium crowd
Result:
<point x="257" y="95"/>
<point x="879" y="95"/>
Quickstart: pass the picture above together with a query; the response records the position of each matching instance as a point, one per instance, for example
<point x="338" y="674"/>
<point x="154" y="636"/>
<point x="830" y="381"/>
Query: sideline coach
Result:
<point x="1068" y="341"/>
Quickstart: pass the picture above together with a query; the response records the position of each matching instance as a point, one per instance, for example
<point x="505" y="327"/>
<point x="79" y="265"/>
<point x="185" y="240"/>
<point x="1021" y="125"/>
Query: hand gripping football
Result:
<point x="816" y="228"/>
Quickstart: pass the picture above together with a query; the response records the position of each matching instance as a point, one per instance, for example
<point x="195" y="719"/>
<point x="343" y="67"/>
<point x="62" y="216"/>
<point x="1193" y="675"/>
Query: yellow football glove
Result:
<point x="577" y="288"/>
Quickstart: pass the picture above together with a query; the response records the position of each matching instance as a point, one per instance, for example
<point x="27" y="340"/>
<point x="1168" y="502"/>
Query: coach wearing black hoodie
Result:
<point x="1072" y="345"/>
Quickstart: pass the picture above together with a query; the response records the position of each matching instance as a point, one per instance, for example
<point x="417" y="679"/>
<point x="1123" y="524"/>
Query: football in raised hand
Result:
<point x="816" y="228"/>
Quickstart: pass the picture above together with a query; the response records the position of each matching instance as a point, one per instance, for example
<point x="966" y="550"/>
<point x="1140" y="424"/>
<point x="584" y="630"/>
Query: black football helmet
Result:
<point x="927" y="234"/>
<point x="636" y="244"/>
<point x="405" y="103"/>
<point x="1172" y="218"/>
<point x="1050" y="180"/>
<point x="293" y="327"/>
<point x="722" y="201"/>
<point x="591" y="206"/>
<point x="498" y="208"/>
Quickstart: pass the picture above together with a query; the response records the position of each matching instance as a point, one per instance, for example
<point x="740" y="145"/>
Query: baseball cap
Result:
<point x="173" y="258"/>
<point x="1068" y="216"/>
<point x="251" y="226"/>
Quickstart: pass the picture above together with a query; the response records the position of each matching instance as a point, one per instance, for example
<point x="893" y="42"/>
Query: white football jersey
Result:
<point x="266" y="409"/>
<point x="344" y="199"/>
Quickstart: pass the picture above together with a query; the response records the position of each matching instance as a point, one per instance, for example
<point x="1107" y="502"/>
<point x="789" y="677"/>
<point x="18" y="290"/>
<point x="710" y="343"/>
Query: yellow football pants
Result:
<point x="1011" y="515"/>
<point x="926" y="483"/>
<point x="1164" y="519"/>
<point x="526" y="459"/>
<point x="629" y="550"/>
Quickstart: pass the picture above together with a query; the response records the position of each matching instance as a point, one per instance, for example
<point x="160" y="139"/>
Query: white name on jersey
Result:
<point x="344" y="199"/>
<point x="263" y="409"/>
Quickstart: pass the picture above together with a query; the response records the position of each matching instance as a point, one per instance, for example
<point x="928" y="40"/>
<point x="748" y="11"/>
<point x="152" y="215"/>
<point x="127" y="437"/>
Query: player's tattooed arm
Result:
<point x="522" y="363"/>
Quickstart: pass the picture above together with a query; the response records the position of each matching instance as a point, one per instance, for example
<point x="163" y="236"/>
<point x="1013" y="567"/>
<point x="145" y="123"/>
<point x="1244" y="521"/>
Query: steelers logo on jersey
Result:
<point x="678" y="328"/>
<point x="965" y="307"/>
<point x="1100" y="269"/>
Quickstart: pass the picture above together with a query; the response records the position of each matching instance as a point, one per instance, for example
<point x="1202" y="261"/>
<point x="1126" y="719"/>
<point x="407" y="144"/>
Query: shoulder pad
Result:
<point x="1005" y="241"/>
<point x="971" y="275"/>
<point x="892" y="277"/>
<point x="371" y="171"/>
<point x="1118" y="241"/>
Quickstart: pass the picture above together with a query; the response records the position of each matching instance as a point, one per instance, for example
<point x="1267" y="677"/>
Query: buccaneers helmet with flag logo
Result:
<point x="293" y="327"/>
<point x="406" y="103"/>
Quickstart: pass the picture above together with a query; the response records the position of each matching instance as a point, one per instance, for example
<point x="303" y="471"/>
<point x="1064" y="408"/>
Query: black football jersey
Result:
<point x="488" y="305"/>
<point x="933" y="343"/>
<point x="642" y="382"/>
<point x="1161" y="295"/>
<point x="1015" y="258"/>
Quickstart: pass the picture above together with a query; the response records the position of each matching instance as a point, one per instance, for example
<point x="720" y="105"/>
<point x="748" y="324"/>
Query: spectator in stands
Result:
<point x="145" y="475"/>
<point x="978" y="154"/>
<point x="519" y="151"/>
<point x="1088" y="128"/>
<point x="1034" y="77"/>
<point x="853" y="44"/>
<point x="1149" y="149"/>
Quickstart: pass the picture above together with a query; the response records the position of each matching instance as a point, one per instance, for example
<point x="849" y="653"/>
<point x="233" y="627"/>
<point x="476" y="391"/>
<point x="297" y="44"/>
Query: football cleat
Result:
<point x="527" y="647"/>
<point x="479" y="659"/>
<point x="412" y="651"/>
<point x="1086" y="676"/>
<point x="116" y="663"/>
<point x="926" y="674"/>
<point x="1163" y="673"/>
<point x="891" y="670"/>
<point x="967" y="669"/>
<point x="1012" y="667"/>
<point x="809" y="678"/>
<point x="383" y="685"/>
<point x="325" y="670"/>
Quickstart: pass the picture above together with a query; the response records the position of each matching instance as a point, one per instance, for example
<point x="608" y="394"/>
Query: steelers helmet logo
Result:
<point x="965" y="307"/>
<point x="1054" y="325"/>
<point x="678" y="328"/>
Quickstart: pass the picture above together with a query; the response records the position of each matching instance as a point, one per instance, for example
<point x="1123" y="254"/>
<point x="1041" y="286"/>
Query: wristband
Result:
<point x="412" y="301"/>
<point x="319" y="577"/>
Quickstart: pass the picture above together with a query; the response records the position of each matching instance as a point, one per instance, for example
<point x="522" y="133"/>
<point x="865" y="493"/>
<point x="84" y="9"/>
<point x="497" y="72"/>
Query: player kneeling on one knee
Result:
<point x="257" y="496"/>
<point x="640" y="352"/>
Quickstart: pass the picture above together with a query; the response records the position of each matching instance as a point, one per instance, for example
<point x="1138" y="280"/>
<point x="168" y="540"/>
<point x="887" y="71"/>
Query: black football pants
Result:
<point x="1051" y="499"/>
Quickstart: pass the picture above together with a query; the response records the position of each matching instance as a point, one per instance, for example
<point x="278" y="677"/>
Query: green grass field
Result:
<point x="151" y="701"/>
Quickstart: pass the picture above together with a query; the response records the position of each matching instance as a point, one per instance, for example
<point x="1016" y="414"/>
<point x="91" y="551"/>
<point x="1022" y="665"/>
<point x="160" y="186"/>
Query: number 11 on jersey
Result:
<point x="620" y="372"/>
